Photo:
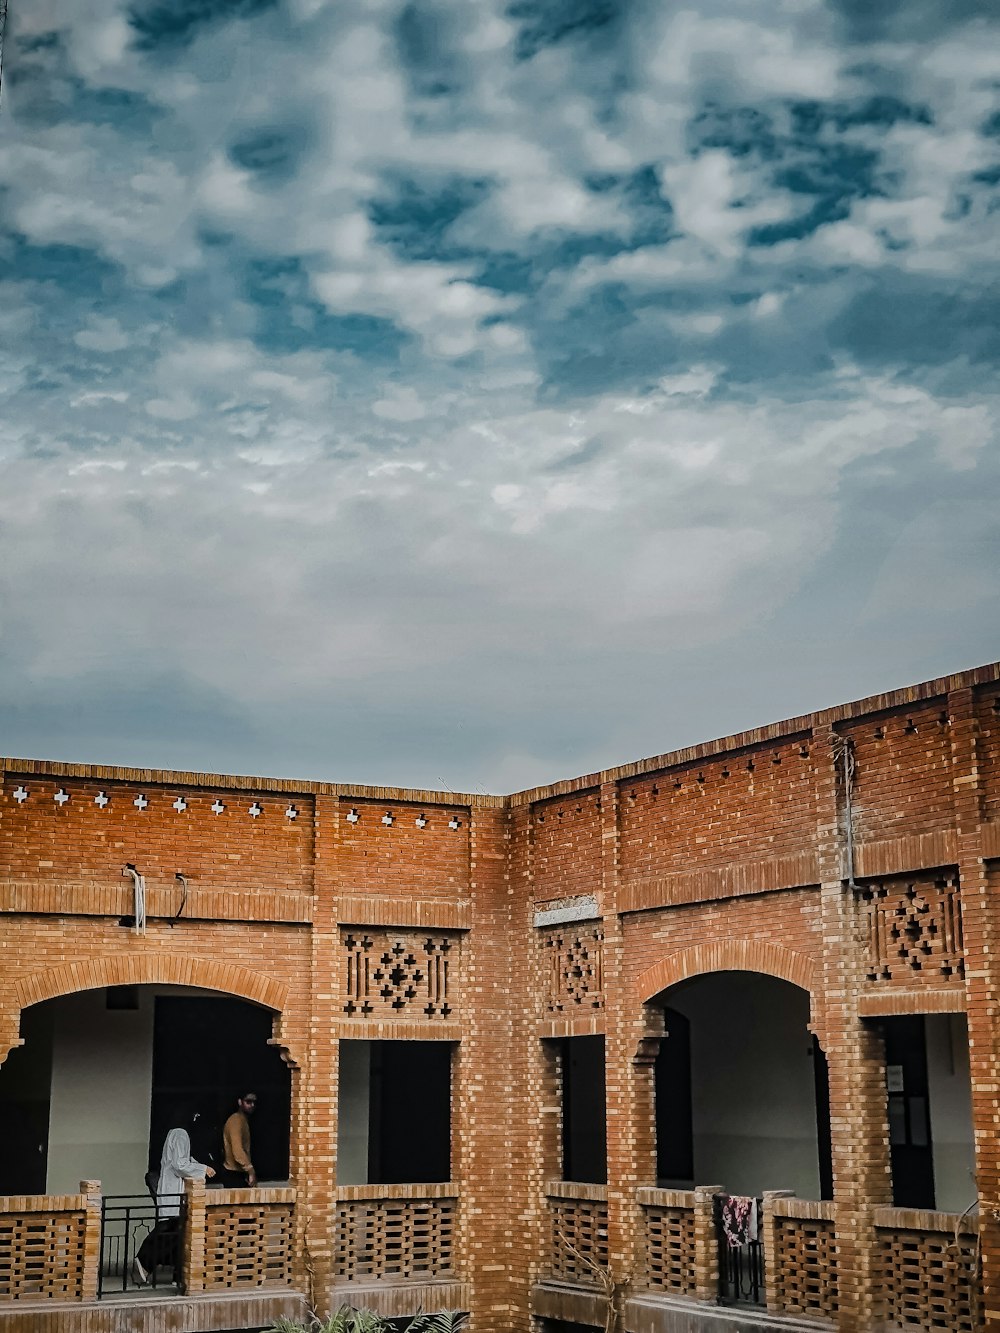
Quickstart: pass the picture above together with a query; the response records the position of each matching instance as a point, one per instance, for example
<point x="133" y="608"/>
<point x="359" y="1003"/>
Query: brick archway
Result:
<point x="729" y="955"/>
<point x="165" y="969"/>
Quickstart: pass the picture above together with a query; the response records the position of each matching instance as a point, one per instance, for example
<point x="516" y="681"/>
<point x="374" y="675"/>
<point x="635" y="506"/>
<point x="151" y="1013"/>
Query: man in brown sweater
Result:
<point x="237" y="1165"/>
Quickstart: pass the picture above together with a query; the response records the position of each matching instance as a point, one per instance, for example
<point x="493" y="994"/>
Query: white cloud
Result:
<point x="102" y="334"/>
<point x="401" y="403"/>
<point x="347" y="525"/>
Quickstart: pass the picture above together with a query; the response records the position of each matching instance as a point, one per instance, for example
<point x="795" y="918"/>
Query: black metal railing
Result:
<point x="140" y="1236"/>
<point x="741" y="1265"/>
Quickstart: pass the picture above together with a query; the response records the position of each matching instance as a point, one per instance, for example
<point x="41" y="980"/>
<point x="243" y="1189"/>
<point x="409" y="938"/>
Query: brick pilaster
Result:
<point x="858" y="1129"/>
<point x="769" y="1239"/>
<point x="981" y="936"/>
<point x="91" y="1190"/>
<point x="706" y="1243"/>
<point x="317" y="1219"/>
<point x="623" y="1211"/>
<point x="193" y="1249"/>
<point x="484" y="1134"/>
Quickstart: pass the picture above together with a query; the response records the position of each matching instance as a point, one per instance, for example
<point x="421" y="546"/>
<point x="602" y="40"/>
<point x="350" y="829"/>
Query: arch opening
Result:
<point x="101" y="1075"/>
<point x="740" y="1087"/>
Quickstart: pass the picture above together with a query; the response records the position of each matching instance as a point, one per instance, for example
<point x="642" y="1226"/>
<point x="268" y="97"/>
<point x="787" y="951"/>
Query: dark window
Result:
<point x="584" y="1145"/>
<point x="410" y="1117"/>
<point x="674" y="1120"/>
<point x="910" y="1151"/>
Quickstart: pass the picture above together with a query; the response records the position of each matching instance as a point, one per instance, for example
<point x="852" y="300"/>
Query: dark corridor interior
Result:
<point x="207" y="1051"/>
<point x="675" y="1108"/>
<point x="409" y="1137"/>
<point x="584" y="1141"/>
<point x="911" y="1152"/>
<point x="674" y="1112"/>
<point x="25" y="1083"/>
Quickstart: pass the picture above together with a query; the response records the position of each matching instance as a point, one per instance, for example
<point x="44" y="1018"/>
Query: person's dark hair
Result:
<point x="185" y="1113"/>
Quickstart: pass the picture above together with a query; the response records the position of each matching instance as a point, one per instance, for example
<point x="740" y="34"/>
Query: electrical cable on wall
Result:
<point x="139" y="916"/>
<point x="843" y="753"/>
<point x="182" y="881"/>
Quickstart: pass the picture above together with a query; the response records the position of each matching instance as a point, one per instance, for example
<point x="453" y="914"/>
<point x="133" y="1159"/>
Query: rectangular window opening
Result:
<point x="584" y="1131"/>
<point x="394" y="1124"/>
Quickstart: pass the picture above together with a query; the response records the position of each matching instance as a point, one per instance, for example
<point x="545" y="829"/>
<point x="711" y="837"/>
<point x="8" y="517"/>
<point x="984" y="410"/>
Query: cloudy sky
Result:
<point x="471" y="393"/>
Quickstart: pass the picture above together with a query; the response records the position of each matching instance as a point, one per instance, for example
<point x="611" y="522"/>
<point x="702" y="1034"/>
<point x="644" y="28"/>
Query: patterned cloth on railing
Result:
<point x="739" y="1219"/>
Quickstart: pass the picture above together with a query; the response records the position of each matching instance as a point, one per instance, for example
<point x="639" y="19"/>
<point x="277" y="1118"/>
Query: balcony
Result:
<point x="395" y="1248"/>
<point x="925" y="1265"/>
<point x="71" y="1256"/>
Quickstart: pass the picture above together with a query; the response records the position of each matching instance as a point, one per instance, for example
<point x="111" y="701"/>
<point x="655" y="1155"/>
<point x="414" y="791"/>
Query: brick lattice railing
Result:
<point x="578" y="1231"/>
<point x="49" y="1245"/>
<point x="800" y="1249"/>
<point x="396" y="1232"/>
<point x="238" y="1239"/>
<point x="669" y="1249"/>
<point x="928" y="1266"/>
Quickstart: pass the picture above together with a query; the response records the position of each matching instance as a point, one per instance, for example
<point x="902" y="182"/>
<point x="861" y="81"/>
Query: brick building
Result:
<point x="514" y="1053"/>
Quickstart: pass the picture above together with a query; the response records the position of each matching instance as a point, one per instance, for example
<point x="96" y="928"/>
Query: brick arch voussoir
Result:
<point x="729" y="955"/>
<point x="165" y="969"/>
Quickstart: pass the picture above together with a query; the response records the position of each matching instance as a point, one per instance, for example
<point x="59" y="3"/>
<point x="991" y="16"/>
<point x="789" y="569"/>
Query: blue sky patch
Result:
<point x="162" y="22"/>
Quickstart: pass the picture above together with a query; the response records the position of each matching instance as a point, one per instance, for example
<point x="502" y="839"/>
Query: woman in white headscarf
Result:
<point x="162" y="1245"/>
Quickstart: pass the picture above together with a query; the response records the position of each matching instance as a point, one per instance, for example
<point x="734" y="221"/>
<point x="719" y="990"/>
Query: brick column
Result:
<point x="193" y="1252"/>
<point x="769" y="1241"/>
<point x="317" y="1200"/>
<point x="634" y="1034"/>
<point x="706" y="1243"/>
<point x="628" y="1086"/>
<point x="486" y="1135"/>
<point x="859" y="1131"/>
<point x="91" y="1190"/>
<point x="535" y="1073"/>
<point x="980" y="885"/>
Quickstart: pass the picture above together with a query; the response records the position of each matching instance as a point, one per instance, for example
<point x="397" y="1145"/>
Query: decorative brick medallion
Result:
<point x="914" y="930"/>
<point x="576" y="968"/>
<point x="402" y="974"/>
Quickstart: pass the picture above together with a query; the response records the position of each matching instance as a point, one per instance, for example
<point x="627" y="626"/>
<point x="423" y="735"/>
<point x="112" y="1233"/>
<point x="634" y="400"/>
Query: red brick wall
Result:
<point x="566" y="846"/>
<point x="903" y="781"/>
<point x="916" y="755"/>
<point x="42" y="840"/>
<point x="428" y="862"/>
<point x="749" y="804"/>
<point x="792" y="918"/>
<point x="988" y="717"/>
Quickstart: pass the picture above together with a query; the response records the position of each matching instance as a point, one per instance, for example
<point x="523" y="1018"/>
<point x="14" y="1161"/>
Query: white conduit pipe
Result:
<point x="140" y="899"/>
